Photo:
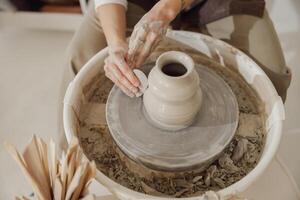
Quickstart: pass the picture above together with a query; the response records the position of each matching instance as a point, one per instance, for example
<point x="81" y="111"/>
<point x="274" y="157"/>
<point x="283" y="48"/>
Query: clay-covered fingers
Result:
<point x="112" y="75"/>
<point x="113" y="72"/>
<point x="145" y="37"/>
<point x="147" y="48"/>
<point x="125" y="72"/>
<point x="122" y="79"/>
<point x="119" y="84"/>
<point x="136" y="41"/>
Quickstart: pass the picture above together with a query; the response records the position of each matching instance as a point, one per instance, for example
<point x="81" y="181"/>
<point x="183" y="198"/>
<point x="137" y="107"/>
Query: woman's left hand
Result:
<point x="150" y="30"/>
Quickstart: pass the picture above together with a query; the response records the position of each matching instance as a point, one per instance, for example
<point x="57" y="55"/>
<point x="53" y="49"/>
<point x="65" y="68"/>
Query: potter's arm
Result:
<point x="113" y="21"/>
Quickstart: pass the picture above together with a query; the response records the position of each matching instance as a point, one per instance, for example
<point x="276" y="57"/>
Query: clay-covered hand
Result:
<point x="150" y="30"/>
<point x="117" y="69"/>
<point x="145" y="37"/>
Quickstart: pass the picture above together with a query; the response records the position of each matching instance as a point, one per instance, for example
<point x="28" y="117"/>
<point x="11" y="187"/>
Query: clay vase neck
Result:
<point x="173" y="97"/>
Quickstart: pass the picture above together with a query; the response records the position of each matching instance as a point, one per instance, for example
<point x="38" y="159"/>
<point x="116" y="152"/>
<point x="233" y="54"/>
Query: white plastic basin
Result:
<point x="215" y="49"/>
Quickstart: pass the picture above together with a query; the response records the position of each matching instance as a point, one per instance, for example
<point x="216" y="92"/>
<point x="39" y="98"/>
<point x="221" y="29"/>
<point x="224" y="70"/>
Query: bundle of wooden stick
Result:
<point x="53" y="179"/>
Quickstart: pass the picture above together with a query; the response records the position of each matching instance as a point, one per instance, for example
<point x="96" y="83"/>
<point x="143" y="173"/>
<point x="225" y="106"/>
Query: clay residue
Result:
<point x="237" y="160"/>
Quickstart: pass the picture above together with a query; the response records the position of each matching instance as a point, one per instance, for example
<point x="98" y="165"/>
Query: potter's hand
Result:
<point x="117" y="70"/>
<point x="150" y="30"/>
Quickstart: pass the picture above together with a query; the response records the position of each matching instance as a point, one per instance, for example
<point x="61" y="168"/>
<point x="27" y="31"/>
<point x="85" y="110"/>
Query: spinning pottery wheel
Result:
<point x="193" y="147"/>
<point x="77" y="96"/>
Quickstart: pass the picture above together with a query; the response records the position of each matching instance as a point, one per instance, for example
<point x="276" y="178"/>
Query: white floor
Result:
<point x="286" y="18"/>
<point x="31" y="67"/>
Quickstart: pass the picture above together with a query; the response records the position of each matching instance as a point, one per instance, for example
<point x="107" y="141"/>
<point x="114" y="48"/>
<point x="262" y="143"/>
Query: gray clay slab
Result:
<point x="199" y="144"/>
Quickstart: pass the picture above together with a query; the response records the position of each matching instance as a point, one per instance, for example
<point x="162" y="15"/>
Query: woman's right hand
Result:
<point x="117" y="69"/>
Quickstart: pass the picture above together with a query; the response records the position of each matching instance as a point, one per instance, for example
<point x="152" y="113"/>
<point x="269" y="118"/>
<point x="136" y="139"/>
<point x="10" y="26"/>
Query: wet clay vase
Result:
<point x="174" y="96"/>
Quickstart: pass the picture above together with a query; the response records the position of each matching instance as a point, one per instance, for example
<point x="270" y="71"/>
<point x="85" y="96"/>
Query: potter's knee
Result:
<point x="70" y="62"/>
<point x="74" y="57"/>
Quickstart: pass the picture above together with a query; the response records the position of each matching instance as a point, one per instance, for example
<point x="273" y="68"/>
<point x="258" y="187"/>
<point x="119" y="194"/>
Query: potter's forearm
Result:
<point x="188" y="3"/>
<point x="168" y="9"/>
<point x="113" y="21"/>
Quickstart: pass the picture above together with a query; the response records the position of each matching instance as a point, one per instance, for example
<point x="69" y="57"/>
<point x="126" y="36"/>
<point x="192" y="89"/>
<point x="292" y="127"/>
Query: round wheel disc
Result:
<point x="186" y="149"/>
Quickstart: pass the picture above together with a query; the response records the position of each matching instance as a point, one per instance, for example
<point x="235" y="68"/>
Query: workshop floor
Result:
<point x="31" y="68"/>
<point x="30" y="78"/>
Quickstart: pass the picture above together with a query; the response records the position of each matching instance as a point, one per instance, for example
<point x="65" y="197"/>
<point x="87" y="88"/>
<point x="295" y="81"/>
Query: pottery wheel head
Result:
<point x="193" y="147"/>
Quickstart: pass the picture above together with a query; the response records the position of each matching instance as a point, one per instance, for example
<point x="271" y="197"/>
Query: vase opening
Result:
<point x="174" y="69"/>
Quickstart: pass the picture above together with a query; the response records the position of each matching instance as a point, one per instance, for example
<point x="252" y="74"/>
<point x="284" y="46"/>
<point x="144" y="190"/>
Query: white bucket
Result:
<point x="223" y="53"/>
